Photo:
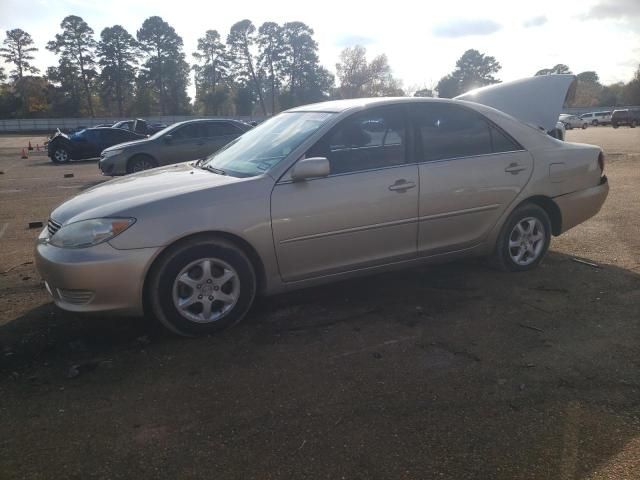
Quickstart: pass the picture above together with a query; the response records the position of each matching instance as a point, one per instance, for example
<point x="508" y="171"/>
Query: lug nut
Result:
<point x="199" y="297"/>
<point x="209" y="281"/>
<point x="216" y="288"/>
<point x="210" y="298"/>
<point x="199" y="286"/>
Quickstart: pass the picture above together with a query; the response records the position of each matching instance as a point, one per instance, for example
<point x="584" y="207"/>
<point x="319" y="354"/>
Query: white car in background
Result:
<point x="573" y="121"/>
<point x="597" y="118"/>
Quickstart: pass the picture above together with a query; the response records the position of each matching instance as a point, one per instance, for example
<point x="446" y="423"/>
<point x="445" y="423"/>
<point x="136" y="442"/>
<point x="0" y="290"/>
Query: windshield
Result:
<point x="269" y="143"/>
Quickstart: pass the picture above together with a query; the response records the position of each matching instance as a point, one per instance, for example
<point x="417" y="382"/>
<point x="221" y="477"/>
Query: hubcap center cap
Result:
<point x="207" y="290"/>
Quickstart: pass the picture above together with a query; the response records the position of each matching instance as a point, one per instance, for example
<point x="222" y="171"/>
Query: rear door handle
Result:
<point x="514" y="169"/>
<point x="401" y="186"/>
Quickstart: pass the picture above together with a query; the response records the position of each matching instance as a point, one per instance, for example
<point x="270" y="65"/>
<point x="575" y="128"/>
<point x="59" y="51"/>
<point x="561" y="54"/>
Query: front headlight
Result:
<point x="111" y="153"/>
<point x="88" y="233"/>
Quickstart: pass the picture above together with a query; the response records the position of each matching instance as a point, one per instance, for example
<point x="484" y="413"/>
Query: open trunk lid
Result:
<point x="537" y="101"/>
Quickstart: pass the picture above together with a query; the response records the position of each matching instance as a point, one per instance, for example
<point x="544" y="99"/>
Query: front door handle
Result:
<point x="514" y="169"/>
<point x="401" y="186"/>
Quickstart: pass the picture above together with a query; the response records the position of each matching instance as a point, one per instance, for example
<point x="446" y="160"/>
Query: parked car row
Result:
<point x="131" y="149"/>
<point x="597" y="118"/>
<point x="626" y="116"/>
<point x="623" y="116"/>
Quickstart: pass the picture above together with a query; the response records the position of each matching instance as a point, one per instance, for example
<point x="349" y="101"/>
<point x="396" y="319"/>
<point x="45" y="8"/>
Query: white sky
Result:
<point x="422" y="40"/>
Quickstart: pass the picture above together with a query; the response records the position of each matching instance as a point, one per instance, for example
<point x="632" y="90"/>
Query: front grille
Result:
<point x="75" y="297"/>
<point x="53" y="227"/>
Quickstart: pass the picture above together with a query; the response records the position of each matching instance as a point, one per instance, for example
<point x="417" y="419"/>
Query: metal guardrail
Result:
<point x="17" y="125"/>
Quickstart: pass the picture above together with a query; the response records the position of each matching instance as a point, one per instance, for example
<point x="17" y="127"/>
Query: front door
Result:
<point x="470" y="171"/>
<point x="183" y="145"/>
<point x="363" y="214"/>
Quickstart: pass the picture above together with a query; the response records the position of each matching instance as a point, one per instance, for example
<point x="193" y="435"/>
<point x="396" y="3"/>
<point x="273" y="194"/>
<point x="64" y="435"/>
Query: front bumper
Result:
<point x="94" y="279"/>
<point x="113" y="166"/>
<point x="579" y="206"/>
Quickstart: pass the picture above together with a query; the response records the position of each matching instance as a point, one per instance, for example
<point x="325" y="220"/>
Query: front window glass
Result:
<point x="365" y="141"/>
<point x="268" y="144"/>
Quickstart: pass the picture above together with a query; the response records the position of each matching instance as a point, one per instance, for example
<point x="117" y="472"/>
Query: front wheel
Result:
<point x="584" y="125"/>
<point x="633" y="123"/>
<point x="201" y="287"/>
<point x="524" y="239"/>
<point x="595" y="123"/>
<point x="140" y="163"/>
<point x="60" y="155"/>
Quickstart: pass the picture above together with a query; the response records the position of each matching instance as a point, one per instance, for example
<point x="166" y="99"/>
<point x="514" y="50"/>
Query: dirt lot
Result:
<point x="454" y="372"/>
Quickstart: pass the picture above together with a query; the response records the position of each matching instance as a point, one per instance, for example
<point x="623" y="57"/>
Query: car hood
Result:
<point x="537" y="100"/>
<point x="119" y="196"/>
<point x="120" y="146"/>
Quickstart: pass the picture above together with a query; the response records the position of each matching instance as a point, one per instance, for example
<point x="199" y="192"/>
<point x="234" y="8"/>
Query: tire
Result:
<point x="584" y="125"/>
<point x="614" y="125"/>
<point x="180" y="276"/>
<point x="60" y="155"/>
<point x="140" y="163"/>
<point x="512" y="240"/>
<point x="633" y="123"/>
<point x="595" y="123"/>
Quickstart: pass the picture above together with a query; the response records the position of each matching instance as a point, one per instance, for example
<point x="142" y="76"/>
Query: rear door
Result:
<point x="470" y="171"/>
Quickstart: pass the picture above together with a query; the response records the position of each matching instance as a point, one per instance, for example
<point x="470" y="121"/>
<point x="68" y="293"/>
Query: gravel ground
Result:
<point x="452" y="372"/>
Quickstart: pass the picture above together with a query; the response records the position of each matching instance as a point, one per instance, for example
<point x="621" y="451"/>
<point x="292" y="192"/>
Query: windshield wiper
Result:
<point x="214" y="170"/>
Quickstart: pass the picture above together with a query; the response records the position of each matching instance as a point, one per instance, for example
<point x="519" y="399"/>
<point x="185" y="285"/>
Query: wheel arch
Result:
<point x="550" y="207"/>
<point x="140" y="154"/>
<point x="236" y="240"/>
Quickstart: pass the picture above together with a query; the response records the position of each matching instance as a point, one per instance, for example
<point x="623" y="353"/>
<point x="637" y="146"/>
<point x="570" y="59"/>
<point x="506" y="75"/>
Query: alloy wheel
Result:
<point x="526" y="241"/>
<point x="61" y="155"/>
<point x="206" y="290"/>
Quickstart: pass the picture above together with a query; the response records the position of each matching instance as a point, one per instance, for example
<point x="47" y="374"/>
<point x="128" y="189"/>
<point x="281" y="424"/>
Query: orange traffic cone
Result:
<point x="30" y="147"/>
<point x="24" y="154"/>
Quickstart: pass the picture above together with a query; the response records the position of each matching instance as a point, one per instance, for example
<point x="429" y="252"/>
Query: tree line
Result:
<point x="252" y="70"/>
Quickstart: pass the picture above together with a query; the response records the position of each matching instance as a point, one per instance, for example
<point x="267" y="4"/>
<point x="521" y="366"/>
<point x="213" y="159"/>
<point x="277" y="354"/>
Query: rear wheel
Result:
<point x="524" y="239"/>
<point x="595" y="123"/>
<point x="201" y="287"/>
<point x="584" y="125"/>
<point x="60" y="155"/>
<point x="633" y="123"/>
<point x="140" y="163"/>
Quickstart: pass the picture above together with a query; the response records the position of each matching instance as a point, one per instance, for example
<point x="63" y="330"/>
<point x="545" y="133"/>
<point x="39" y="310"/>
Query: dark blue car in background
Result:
<point x="87" y="143"/>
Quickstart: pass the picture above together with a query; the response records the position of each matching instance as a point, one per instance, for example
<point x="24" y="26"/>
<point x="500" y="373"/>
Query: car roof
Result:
<point x="337" y="106"/>
<point x="199" y="120"/>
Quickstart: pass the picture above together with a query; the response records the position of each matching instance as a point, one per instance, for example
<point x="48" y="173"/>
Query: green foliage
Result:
<point x="76" y="47"/>
<point x="240" y="42"/>
<point x="359" y="78"/>
<point x="211" y="71"/>
<point x="473" y="70"/>
<point x="18" y="50"/>
<point x="272" y="51"/>
<point x="165" y="71"/>
<point x="118" y="56"/>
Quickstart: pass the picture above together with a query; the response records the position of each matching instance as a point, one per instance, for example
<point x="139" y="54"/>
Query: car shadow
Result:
<point x="468" y="371"/>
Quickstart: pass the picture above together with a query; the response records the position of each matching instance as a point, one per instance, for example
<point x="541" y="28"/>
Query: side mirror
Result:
<point x="168" y="138"/>
<point x="314" y="167"/>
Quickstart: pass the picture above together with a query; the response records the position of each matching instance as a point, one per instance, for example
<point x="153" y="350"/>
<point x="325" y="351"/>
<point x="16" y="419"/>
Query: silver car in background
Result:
<point x="325" y="192"/>
<point x="179" y="142"/>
